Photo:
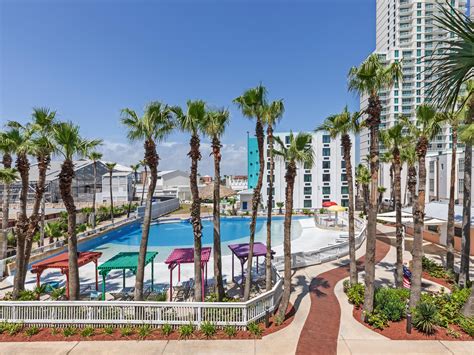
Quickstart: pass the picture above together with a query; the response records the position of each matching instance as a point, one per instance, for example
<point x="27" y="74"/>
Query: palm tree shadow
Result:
<point x="317" y="284"/>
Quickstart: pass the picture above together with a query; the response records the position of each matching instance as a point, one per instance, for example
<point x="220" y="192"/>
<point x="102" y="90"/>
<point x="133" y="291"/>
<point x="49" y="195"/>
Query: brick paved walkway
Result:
<point x="321" y="329"/>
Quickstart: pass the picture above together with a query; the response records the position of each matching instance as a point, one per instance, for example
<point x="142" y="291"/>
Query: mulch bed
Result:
<point x="443" y="282"/>
<point x="397" y="330"/>
<point x="47" y="334"/>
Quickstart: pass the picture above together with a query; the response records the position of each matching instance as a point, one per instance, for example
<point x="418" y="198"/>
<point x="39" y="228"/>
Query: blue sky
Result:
<point x="88" y="59"/>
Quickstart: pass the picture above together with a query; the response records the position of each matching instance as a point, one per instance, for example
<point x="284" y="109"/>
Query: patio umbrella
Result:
<point x="336" y="209"/>
<point x="329" y="203"/>
<point x="207" y="192"/>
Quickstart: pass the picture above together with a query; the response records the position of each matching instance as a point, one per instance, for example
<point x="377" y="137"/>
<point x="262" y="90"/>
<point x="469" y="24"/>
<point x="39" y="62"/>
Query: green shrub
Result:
<point x="144" y="331"/>
<point x="158" y="297"/>
<point x="126" y="331"/>
<point x="3" y="327"/>
<point x="33" y="330"/>
<point x="255" y="329"/>
<point x="88" y="331"/>
<point x="467" y="325"/>
<point x="208" y="329"/>
<point x="13" y="328"/>
<point x="69" y="331"/>
<point x="377" y="319"/>
<point x="27" y="295"/>
<point x="435" y="270"/>
<point x="166" y="329"/>
<point x="109" y="330"/>
<point x="278" y="319"/>
<point x="185" y="331"/>
<point x="54" y="331"/>
<point x="230" y="331"/>
<point x="345" y="285"/>
<point x="58" y="293"/>
<point x="391" y="302"/>
<point x="355" y="294"/>
<point x="453" y="333"/>
<point x="425" y="317"/>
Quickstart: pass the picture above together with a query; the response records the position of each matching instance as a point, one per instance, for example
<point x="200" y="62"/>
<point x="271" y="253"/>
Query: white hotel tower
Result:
<point x="406" y="31"/>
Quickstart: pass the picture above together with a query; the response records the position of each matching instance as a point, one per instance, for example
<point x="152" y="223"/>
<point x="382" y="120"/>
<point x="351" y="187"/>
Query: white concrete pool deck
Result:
<point x="310" y="238"/>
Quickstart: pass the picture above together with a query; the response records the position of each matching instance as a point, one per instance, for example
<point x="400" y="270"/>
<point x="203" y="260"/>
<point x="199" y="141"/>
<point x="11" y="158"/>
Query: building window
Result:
<point x="326" y="190"/>
<point x="307" y="204"/>
<point x="308" y="190"/>
<point x="287" y="139"/>
<point x="326" y="164"/>
<point x="326" y="177"/>
<point x="307" y="166"/>
<point x="432" y="165"/>
<point x="344" y="190"/>
<point x="326" y="138"/>
<point x="431" y="185"/>
<point x="343" y="164"/>
<point x="343" y="177"/>
<point x="268" y="191"/>
<point x="460" y="186"/>
<point x="344" y="202"/>
<point x="308" y="177"/>
<point x="244" y="205"/>
<point x="326" y="152"/>
<point x="461" y="165"/>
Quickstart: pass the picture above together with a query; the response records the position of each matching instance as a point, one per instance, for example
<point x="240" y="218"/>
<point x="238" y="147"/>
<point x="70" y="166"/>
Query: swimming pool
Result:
<point x="164" y="237"/>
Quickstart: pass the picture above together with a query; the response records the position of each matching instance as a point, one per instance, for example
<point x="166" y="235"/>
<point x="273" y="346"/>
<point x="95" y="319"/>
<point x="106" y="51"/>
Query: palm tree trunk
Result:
<point x="151" y="158"/>
<point x="366" y="192"/>
<point x="143" y="186"/>
<point x="216" y="147"/>
<point x="418" y="223"/>
<point x="268" y="257"/>
<point x="452" y="182"/>
<point x="93" y="195"/>
<point x="65" y="182"/>
<point x="111" y="197"/>
<point x="21" y="226"/>
<point x="7" y="164"/>
<point x="33" y="228"/>
<point x="346" y="146"/>
<point x="195" y="156"/>
<point x="397" y="195"/>
<point x="133" y="193"/>
<point x="411" y="184"/>
<point x="373" y="121"/>
<point x="255" y="202"/>
<point x="290" y="182"/>
<point x="466" y="203"/>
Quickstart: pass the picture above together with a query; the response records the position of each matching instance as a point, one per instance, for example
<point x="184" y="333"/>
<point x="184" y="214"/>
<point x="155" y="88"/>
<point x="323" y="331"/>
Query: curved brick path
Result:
<point x="321" y="329"/>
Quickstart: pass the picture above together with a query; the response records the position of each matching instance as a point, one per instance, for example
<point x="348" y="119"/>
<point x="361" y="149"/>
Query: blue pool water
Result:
<point x="167" y="236"/>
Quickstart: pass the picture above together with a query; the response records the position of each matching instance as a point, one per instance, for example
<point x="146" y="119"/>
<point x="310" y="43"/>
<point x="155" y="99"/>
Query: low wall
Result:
<point x="161" y="207"/>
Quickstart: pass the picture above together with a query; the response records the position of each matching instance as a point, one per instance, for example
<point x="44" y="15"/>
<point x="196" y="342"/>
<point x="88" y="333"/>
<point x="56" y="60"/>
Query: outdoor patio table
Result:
<point x="241" y="251"/>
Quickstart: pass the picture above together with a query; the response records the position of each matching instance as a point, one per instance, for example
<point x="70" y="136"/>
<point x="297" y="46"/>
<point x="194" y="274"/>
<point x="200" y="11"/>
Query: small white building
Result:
<point x="236" y="182"/>
<point x="122" y="187"/>
<point x="169" y="183"/>
<point x="245" y="197"/>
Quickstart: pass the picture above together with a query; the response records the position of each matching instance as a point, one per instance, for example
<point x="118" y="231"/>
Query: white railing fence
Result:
<point x="122" y="313"/>
<point x="160" y="208"/>
<point x="325" y="254"/>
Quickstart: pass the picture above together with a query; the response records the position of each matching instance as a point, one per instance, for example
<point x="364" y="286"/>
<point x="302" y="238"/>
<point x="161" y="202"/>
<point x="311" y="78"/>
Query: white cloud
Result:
<point x="173" y="155"/>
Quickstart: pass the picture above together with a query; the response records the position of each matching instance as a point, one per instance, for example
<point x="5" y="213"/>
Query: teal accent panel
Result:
<point x="252" y="162"/>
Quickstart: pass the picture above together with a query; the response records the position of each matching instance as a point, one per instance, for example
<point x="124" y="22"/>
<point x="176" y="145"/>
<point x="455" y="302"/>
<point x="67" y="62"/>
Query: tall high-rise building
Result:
<point x="406" y="31"/>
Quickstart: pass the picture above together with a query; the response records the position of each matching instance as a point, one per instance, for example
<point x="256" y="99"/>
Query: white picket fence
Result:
<point x="325" y="254"/>
<point x="121" y="313"/>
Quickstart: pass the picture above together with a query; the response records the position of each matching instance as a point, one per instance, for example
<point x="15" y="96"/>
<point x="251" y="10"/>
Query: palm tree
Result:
<point x="280" y="206"/>
<point x="110" y="167"/>
<point x="466" y="135"/>
<point x="271" y="115"/>
<point x="134" y="168"/>
<point x="193" y="122"/>
<point x="252" y="104"/>
<point x="299" y="152"/>
<point x="143" y="163"/>
<point x="393" y="139"/>
<point x="363" y="180"/>
<point x="368" y="79"/>
<point x="21" y="143"/>
<point x="453" y="118"/>
<point x="95" y="157"/>
<point x="154" y="126"/>
<point x="70" y="144"/>
<point x="7" y="150"/>
<point x="408" y="156"/>
<point x="7" y="176"/>
<point x="232" y="201"/>
<point x="214" y="127"/>
<point x="43" y="120"/>
<point x="343" y="125"/>
<point x="428" y="124"/>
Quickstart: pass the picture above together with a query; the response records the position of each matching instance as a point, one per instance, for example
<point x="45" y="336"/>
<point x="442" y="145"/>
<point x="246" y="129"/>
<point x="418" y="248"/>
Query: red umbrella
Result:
<point x="329" y="204"/>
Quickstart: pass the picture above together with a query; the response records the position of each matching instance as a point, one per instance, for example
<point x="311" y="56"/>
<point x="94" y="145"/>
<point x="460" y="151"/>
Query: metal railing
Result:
<point x="121" y="313"/>
<point x="160" y="208"/>
<point x="325" y="254"/>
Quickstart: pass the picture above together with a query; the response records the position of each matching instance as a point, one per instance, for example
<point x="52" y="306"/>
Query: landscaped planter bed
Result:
<point x="56" y="334"/>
